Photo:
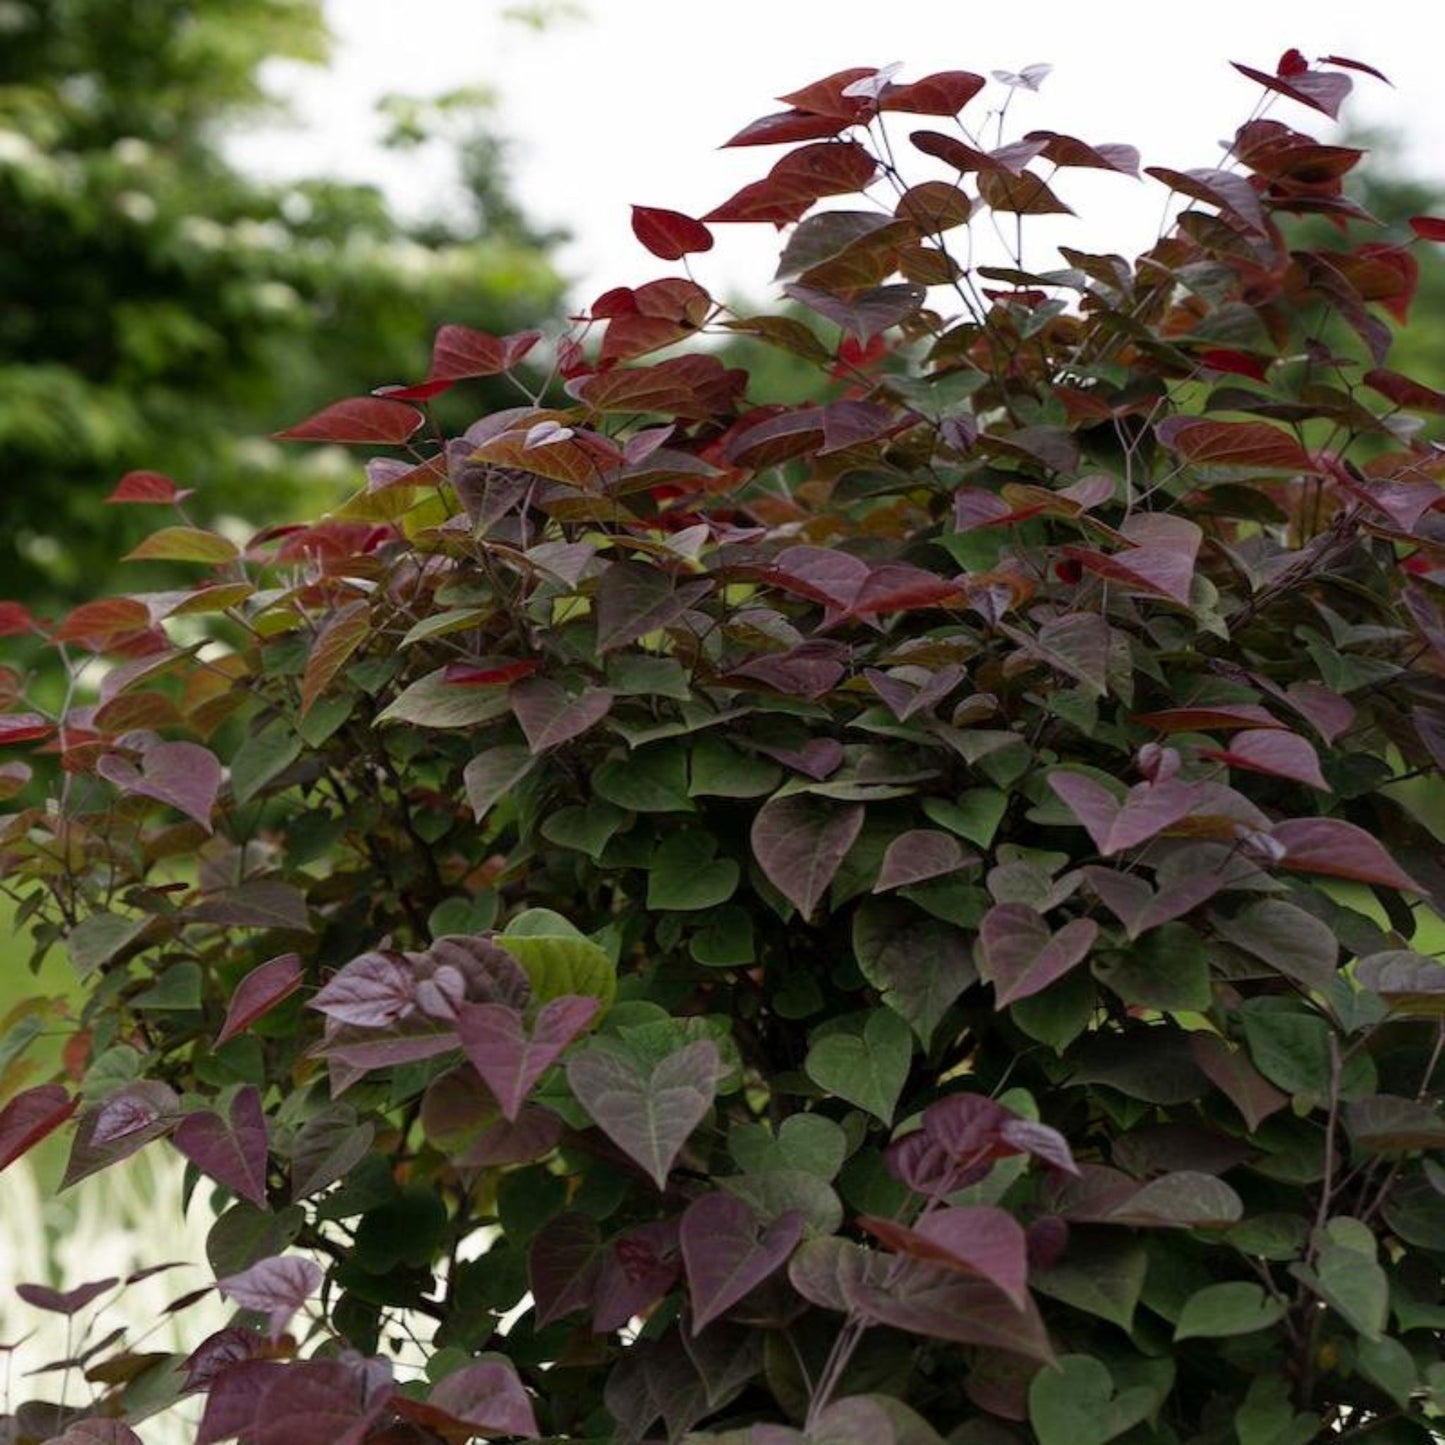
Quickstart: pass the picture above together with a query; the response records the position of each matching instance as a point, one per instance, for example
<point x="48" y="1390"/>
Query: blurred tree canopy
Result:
<point x="159" y="309"/>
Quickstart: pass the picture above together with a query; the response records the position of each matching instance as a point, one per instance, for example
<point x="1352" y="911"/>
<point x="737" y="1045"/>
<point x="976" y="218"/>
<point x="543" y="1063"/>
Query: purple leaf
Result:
<point x="977" y="1239"/>
<point x="808" y="670"/>
<point x="633" y="599"/>
<point x="231" y="1151"/>
<point x="259" y="992"/>
<point x="1276" y="752"/>
<point x="372" y="991"/>
<point x="919" y="854"/>
<point x="1021" y="956"/>
<point x="496" y="1041"/>
<point x="865" y="313"/>
<point x="98" y="1430"/>
<point x="183" y="775"/>
<point x="64" y="1302"/>
<point x="647" y="1114"/>
<point x="818" y="758"/>
<point x="488" y="1397"/>
<point x="637" y="1269"/>
<point x="217" y="1352"/>
<point x="727" y="1254"/>
<point x="1147" y="810"/>
<point x="800" y="843"/>
<point x="550" y="716"/>
<point x="261" y="903"/>
<point x="1041" y="1142"/>
<point x="1139" y="908"/>
<point x="276" y="1287"/>
<point x="30" y="1116"/>
<point x="1338" y="850"/>
<point x="296" y="1402"/>
<point x="119" y="1126"/>
<point x="534" y="1135"/>
<point x="563" y="1264"/>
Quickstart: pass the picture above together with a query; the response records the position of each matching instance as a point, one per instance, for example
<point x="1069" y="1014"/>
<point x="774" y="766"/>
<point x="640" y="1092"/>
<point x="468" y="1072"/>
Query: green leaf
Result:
<point x="263" y="756"/>
<point x="1236" y="1308"/>
<point x="1267" y="1416"/>
<point x="184" y="544"/>
<point x="588" y="829"/>
<point x="685" y="876"/>
<point x="776" y="1192"/>
<point x="1167" y="969"/>
<point x="433" y="702"/>
<point x="722" y="771"/>
<point x="179" y="987"/>
<point x="1076" y="1403"/>
<point x="1292" y="1051"/>
<point x="726" y="938"/>
<point x="809" y="1142"/>
<point x="974" y="815"/>
<point x="652" y="780"/>
<point x="1059" y="1014"/>
<point x="558" y="959"/>
<point x="1285" y="937"/>
<point x="1102" y="1273"/>
<point x="918" y="964"/>
<point x="99" y="938"/>
<point x="491" y="775"/>
<point x="1390" y="1365"/>
<point x="1352" y="1284"/>
<point x="867" y="1068"/>
<point x="634" y="674"/>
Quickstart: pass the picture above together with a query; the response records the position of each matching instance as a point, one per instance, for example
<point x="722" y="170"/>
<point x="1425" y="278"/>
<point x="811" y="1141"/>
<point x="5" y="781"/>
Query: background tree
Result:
<point x="162" y="309"/>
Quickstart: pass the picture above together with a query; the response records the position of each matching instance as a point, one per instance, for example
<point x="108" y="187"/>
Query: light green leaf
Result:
<point x="1236" y="1308"/>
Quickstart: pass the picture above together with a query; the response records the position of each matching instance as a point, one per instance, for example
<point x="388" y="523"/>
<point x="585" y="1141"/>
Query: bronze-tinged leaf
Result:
<point x="945" y="93"/>
<point x="786" y="126"/>
<point x="1315" y="88"/>
<point x="1023" y="195"/>
<point x="934" y="206"/>
<point x="361" y="420"/>
<point x="141" y="486"/>
<point x="1066" y="150"/>
<point x="1252" y="444"/>
<point x="460" y="352"/>
<point x="344" y="631"/>
<point x="828" y="96"/>
<point x="1231" y="194"/>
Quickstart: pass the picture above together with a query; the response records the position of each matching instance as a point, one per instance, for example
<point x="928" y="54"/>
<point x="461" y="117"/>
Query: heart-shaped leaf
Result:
<point x="800" y="841"/>
<point x="977" y="1239"/>
<point x="1146" y="810"/>
<point x="647" y="1112"/>
<point x="727" y="1254"/>
<point x="276" y="1287"/>
<point x="869" y="1068"/>
<point x="233" y="1150"/>
<point x="1021" y="956"/>
<point x="684" y="875"/>
<point x="1076" y="1403"/>
<point x="1339" y="850"/>
<point x="509" y="1059"/>
<point x="1238" y="1307"/>
<point x="550" y="716"/>
<point x="182" y="775"/>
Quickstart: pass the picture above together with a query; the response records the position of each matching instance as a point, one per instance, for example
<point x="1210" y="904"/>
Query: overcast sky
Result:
<point x="631" y="102"/>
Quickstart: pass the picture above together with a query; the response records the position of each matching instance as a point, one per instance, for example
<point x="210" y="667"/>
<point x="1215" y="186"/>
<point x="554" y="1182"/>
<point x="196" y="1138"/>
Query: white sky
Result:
<point x="631" y="103"/>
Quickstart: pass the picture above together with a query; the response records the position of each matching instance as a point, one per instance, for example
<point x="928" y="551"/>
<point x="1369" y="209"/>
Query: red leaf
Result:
<point x="1215" y="718"/>
<point x="1320" y="92"/>
<point x="466" y="674"/>
<point x="727" y="1252"/>
<point x="99" y="622"/>
<point x="1066" y="150"/>
<point x="422" y="391"/>
<point x="1338" y="850"/>
<point x="15" y="620"/>
<point x="30" y="1116"/>
<point x="786" y="126"/>
<point x="1291" y="63"/>
<point x="669" y="235"/>
<point x="826" y="97"/>
<point x="148" y="487"/>
<point x="1231" y="193"/>
<point x="24" y="727"/>
<point x="1276" y="752"/>
<point x="361" y="420"/>
<point x="974" y="1239"/>
<point x="1238" y="363"/>
<point x="344" y="631"/>
<point x="484" y="1397"/>
<point x="460" y="352"/>
<point x="259" y="992"/>
<point x="1233" y="444"/>
<point x="1431" y="228"/>
<point x="1355" y="65"/>
<point x="944" y="93"/>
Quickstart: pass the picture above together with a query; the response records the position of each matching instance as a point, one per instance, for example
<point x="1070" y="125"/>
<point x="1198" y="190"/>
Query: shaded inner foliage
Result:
<point x="897" y="916"/>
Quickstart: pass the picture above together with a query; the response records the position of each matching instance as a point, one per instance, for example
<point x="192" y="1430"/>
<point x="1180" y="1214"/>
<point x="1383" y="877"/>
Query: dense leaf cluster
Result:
<point x="891" y="917"/>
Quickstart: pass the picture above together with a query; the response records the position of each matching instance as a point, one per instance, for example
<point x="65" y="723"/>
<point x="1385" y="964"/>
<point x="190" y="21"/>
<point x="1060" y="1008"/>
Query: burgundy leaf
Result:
<point x="1232" y="1073"/>
<point x="30" y="1116"/>
<point x="1255" y="445"/>
<point x="1276" y="752"/>
<point x="363" y="420"/>
<point x="1146" y="811"/>
<point x="1313" y="88"/>
<point x="919" y="854"/>
<point x="297" y="1402"/>
<point x="510" y="1060"/>
<point x="550" y="716"/>
<point x="563" y="1264"/>
<point x="800" y="843"/>
<point x="669" y="235"/>
<point x="119" y="1126"/>
<point x="24" y="727"/>
<point x="728" y="1254"/>
<point x="1218" y="718"/>
<point x="148" y="487"/>
<point x="945" y="92"/>
<point x="809" y="670"/>
<point x="218" y="1352"/>
<point x="276" y="1287"/>
<point x="977" y="1239"/>
<point x="786" y="126"/>
<point x="1340" y="850"/>
<point x="1021" y="956"/>
<point x="482" y="1398"/>
<point x="231" y="1151"/>
<point x="633" y="599"/>
<point x="637" y="1269"/>
<point x="64" y="1302"/>
<point x="1429" y="228"/>
<point x="864" y="314"/>
<point x="259" y="992"/>
<point x="818" y="758"/>
<point x="185" y="776"/>
<point x="98" y="1430"/>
